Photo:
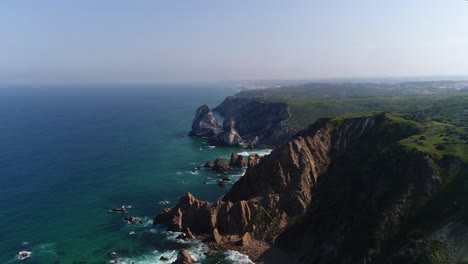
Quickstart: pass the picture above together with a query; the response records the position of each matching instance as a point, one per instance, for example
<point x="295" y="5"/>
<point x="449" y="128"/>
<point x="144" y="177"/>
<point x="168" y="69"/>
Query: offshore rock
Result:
<point x="220" y="164"/>
<point x="253" y="160"/>
<point x="237" y="161"/>
<point x="204" y="124"/>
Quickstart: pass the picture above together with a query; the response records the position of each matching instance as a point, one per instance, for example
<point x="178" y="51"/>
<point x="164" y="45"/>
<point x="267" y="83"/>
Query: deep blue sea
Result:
<point x="69" y="153"/>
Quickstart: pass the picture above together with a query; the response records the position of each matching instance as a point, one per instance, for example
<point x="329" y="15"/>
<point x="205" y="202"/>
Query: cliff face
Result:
<point x="204" y="124"/>
<point x="258" y="123"/>
<point x="287" y="176"/>
<point x="337" y="192"/>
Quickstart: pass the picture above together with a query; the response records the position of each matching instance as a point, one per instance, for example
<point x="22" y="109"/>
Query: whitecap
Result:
<point x="211" y="147"/>
<point x="261" y="152"/>
<point x="243" y="153"/>
<point x="23" y="255"/>
<point x="238" y="258"/>
<point x="154" y="256"/>
<point x="164" y="202"/>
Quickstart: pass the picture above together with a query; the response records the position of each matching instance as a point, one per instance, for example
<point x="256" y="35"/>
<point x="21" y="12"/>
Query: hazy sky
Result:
<point x="211" y="40"/>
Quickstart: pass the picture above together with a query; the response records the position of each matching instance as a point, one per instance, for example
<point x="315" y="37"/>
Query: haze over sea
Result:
<point x="68" y="154"/>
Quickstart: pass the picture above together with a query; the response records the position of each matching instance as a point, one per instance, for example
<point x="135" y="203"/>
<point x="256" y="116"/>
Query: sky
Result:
<point x="150" y="41"/>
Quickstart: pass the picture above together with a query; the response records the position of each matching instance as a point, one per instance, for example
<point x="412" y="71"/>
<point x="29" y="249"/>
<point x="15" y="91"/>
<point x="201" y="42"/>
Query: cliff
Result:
<point x="258" y="123"/>
<point x="343" y="191"/>
<point x="204" y="124"/>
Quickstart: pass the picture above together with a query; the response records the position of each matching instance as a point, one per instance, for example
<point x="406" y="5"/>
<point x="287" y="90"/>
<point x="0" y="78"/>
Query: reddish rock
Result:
<point x="184" y="257"/>
<point x="237" y="161"/>
<point x="216" y="236"/>
<point x="221" y="164"/>
<point x="202" y="217"/>
<point x="245" y="240"/>
<point x="188" y="233"/>
<point x="253" y="160"/>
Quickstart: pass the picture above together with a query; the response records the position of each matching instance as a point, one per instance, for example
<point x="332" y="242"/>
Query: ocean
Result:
<point x="70" y="153"/>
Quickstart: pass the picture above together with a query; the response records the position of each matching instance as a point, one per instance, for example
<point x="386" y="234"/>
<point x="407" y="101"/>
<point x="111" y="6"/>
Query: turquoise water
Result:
<point x="68" y="154"/>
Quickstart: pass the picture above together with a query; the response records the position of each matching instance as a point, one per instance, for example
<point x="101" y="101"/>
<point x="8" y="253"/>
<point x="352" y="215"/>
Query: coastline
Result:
<point x="258" y="251"/>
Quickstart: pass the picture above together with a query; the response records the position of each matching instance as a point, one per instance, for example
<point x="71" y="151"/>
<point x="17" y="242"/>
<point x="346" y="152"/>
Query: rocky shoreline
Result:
<point x="335" y="193"/>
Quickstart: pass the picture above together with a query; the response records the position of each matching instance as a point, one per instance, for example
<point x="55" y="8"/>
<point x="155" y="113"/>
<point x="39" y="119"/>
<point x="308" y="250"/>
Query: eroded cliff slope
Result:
<point x="341" y="191"/>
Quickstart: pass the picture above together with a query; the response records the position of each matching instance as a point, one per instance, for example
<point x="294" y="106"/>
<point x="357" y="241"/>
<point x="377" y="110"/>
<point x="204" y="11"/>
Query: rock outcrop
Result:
<point x="247" y="122"/>
<point x="184" y="257"/>
<point x="237" y="161"/>
<point x="220" y="164"/>
<point x="229" y="135"/>
<point x="208" y="218"/>
<point x="338" y="192"/>
<point x="204" y="124"/>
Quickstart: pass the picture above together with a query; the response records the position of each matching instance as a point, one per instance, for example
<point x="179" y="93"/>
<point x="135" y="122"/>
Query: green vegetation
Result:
<point x="440" y="140"/>
<point x="442" y="108"/>
<point x="452" y="110"/>
<point x="354" y="90"/>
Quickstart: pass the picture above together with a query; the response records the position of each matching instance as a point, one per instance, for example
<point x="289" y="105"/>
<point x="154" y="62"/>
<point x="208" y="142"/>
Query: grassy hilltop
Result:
<point x="443" y="101"/>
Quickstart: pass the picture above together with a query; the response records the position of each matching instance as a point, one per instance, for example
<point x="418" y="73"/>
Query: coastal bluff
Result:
<point x="247" y="122"/>
<point x="337" y="192"/>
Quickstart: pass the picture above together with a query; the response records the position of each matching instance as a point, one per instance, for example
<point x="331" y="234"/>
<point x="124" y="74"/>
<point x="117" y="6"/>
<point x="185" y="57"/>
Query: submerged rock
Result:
<point x="23" y="255"/>
<point x="209" y="164"/>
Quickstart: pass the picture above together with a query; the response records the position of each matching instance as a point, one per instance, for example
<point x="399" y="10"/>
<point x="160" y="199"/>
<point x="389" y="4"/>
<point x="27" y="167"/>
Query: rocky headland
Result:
<point x="247" y="122"/>
<point x="345" y="190"/>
